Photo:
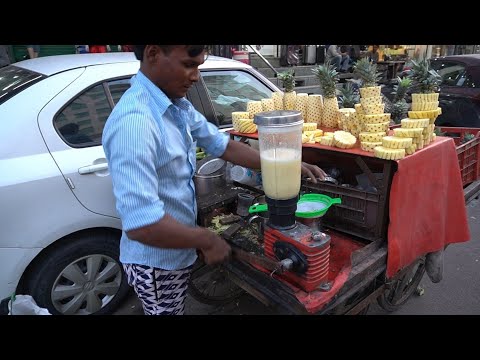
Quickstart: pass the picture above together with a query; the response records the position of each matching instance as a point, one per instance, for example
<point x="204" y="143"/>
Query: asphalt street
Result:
<point x="457" y="294"/>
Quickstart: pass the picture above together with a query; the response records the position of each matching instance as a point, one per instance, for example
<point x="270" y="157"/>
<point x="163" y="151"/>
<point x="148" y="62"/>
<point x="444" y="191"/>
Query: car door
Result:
<point x="72" y="125"/>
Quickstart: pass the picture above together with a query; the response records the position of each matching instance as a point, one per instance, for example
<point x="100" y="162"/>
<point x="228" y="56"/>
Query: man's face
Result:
<point x="175" y="71"/>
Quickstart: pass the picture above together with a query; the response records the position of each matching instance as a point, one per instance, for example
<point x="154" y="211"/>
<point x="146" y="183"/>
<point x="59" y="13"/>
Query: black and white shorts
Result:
<point x="162" y="292"/>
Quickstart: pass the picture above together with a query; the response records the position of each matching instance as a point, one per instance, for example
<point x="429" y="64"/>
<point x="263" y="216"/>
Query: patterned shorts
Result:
<point x="162" y="292"/>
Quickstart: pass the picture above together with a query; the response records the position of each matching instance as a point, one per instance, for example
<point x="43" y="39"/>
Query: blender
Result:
<point x="303" y="251"/>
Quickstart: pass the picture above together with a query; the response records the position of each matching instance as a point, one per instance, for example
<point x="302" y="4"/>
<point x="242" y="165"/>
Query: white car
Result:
<point x="59" y="233"/>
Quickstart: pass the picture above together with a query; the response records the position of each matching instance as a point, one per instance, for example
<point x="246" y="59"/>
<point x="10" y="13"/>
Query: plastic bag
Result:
<point x="25" y="305"/>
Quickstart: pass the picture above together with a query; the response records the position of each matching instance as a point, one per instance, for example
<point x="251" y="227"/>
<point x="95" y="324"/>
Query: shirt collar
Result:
<point x="160" y="98"/>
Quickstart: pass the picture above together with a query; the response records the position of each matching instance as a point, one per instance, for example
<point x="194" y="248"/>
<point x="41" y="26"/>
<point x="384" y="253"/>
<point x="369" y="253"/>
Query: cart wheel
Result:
<point x="401" y="290"/>
<point x="211" y="285"/>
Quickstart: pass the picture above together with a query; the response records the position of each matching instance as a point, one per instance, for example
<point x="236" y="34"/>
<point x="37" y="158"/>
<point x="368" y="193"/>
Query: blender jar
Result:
<point x="280" y="140"/>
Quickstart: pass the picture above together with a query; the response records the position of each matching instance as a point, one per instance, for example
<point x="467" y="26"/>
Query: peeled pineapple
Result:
<point x="246" y="126"/>
<point x="369" y="146"/>
<point x="389" y="154"/>
<point x="393" y="142"/>
<point x="344" y="140"/>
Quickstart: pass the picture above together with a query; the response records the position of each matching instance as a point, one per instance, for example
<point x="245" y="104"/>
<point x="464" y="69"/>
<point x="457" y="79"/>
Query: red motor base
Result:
<point x="310" y="255"/>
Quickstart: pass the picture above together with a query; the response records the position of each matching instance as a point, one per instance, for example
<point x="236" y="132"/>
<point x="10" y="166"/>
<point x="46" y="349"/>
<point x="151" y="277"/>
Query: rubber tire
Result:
<point x="53" y="262"/>
<point x="409" y="290"/>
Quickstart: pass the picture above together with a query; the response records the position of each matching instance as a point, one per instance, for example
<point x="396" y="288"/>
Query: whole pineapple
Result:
<point x="400" y="105"/>
<point x="348" y="96"/>
<point x="425" y="80"/>
<point x="289" y="97"/>
<point x="367" y="72"/>
<point x="328" y="78"/>
<point x="425" y="86"/>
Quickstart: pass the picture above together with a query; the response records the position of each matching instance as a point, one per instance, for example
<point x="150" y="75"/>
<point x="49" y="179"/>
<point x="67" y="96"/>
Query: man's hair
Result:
<point x="193" y="50"/>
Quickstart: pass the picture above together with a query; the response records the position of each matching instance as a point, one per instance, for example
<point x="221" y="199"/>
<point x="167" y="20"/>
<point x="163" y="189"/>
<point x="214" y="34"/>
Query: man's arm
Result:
<point x="242" y="154"/>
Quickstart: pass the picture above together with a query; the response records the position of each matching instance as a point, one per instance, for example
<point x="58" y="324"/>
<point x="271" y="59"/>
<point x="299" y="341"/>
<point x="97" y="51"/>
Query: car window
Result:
<point x="14" y="79"/>
<point x="230" y="90"/>
<point x="452" y="73"/>
<point x="117" y="88"/>
<point x="81" y="122"/>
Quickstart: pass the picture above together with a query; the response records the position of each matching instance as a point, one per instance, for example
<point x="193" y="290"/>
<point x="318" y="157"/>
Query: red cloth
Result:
<point x="427" y="206"/>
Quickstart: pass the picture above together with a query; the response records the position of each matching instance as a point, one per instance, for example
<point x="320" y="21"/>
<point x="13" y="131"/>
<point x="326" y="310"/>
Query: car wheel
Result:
<point x="81" y="275"/>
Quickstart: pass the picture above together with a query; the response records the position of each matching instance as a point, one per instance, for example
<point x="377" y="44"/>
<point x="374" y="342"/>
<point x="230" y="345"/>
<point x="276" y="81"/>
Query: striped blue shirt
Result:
<point x="150" y="144"/>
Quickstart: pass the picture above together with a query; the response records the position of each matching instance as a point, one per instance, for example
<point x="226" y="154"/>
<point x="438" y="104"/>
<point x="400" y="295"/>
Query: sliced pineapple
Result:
<point x="411" y="149"/>
<point x="372" y="137"/>
<point x="414" y="123"/>
<point x="376" y="119"/>
<point x="375" y="128"/>
<point x="247" y="126"/>
<point x="326" y="140"/>
<point x="344" y="140"/>
<point x="369" y="146"/>
<point x="389" y="154"/>
<point x="308" y="126"/>
<point x="393" y="142"/>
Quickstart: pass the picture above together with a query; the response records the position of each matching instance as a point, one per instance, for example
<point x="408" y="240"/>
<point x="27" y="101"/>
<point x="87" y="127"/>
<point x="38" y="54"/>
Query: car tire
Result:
<point x="80" y="275"/>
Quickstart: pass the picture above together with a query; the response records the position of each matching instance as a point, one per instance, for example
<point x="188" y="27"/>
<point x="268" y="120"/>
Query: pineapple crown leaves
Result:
<point x="328" y="78"/>
<point x="349" y="96"/>
<point x="367" y="72"/>
<point x="399" y="110"/>
<point x="401" y="88"/>
<point x="288" y="80"/>
<point x="425" y="80"/>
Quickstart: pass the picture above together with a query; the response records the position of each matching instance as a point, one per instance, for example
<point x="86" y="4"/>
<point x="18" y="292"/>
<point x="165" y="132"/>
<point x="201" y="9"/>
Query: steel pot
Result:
<point x="205" y="184"/>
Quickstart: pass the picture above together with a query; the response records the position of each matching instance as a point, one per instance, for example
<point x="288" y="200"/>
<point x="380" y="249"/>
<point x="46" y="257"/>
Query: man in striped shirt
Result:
<point x="150" y="142"/>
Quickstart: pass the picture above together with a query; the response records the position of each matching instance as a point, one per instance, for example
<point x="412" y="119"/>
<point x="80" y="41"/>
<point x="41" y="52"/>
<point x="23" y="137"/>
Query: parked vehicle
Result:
<point x="459" y="91"/>
<point x="59" y="227"/>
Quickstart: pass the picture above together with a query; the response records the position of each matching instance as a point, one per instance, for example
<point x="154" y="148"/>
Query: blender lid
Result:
<point x="278" y="118"/>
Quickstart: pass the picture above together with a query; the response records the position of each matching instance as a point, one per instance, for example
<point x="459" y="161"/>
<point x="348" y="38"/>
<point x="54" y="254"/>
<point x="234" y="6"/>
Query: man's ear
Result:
<point x="151" y="52"/>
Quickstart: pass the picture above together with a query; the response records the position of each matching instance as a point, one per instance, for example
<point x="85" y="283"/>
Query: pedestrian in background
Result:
<point x="5" y="58"/>
<point x="33" y="51"/>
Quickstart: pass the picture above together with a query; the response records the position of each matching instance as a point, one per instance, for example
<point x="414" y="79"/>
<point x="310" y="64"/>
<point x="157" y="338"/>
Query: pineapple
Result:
<point x="367" y="72"/>
<point x="425" y="98"/>
<point x="349" y="96"/>
<point x="328" y="78"/>
<point x="289" y="97"/>
<point x="425" y="80"/>
<point x="400" y="106"/>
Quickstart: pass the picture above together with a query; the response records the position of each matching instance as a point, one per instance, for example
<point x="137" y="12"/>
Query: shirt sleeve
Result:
<point x="131" y="147"/>
<point x="206" y="134"/>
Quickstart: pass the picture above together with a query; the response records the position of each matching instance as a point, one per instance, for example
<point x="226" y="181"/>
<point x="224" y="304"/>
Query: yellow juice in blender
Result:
<point x="281" y="171"/>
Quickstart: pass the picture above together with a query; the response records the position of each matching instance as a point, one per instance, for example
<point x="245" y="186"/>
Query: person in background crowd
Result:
<point x="150" y="140"/>
<point x="333" y="56"/>
<point x="33" y="51"/>
<point x="98" y="48"/>
<point x="127" y="48"/>
<point x="4" y="56"/>
<point x="373" y="55"/>
<point x="345" y="60"/>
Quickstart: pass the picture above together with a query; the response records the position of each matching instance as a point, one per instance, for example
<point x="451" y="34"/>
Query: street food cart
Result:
<point x="393" y="221"/>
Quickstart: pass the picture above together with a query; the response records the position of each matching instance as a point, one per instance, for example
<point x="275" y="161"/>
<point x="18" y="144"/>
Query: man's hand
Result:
<point x="313" y="172"/>
<point x="216" y="250"/>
